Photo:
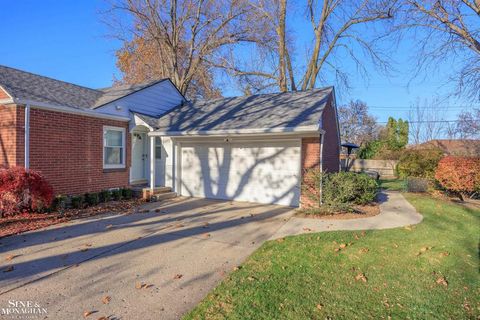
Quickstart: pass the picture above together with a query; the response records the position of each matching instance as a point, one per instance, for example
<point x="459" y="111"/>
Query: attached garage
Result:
<point x="255" y="171"/>
<point x="253" y="148"/>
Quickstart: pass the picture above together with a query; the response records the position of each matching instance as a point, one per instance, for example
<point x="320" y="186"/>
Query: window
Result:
<point x="113" y="147"/>
<point x="158" y="148"/>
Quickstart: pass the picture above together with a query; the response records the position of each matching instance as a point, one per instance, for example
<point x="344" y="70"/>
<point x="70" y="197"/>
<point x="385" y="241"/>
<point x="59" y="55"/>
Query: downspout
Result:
<point x="321" y="170"/>
<point x="27" y="136"/>
<point x="152" y="164"/>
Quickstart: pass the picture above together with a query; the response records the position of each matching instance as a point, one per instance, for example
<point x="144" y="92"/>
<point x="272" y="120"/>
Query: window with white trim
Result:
<point x="113" y="147"/>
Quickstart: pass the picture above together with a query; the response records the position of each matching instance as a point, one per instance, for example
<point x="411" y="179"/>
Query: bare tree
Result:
<point x="183" y="36"/>
<point x="356" y="124"/>
<point x="270" y="65"/>
<point x="449" y="30"/>
<point x="468" y="125"/>
<point x="427" y="120"/>
<point x="335" y="27"/>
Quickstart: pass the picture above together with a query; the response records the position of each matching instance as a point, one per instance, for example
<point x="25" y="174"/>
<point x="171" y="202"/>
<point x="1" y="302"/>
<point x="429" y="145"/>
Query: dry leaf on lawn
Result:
<point x="106" y="299"/>
<point x="280" y="239"/>
<point x="250" y="278"/>
<point x="343" y="245"/>
<point x="443" y="281"/>
<point x="319" y="306"/>
<point x="307" y="229"/>
<point x="361" y="277"/>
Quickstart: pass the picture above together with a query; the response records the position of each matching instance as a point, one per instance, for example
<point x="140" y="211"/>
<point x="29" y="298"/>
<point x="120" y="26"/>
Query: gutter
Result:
<point x="64" y="109"/>
<point x="258" y="131"/>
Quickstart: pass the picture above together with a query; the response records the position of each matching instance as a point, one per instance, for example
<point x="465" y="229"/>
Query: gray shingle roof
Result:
<point x="25" y="85"/>
<point x="277" y="110"/>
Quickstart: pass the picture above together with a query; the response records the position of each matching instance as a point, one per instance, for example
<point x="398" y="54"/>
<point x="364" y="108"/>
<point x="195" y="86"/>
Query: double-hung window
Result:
<point x="113" y="147"/>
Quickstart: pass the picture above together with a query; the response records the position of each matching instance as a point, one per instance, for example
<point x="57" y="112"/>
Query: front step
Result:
<point x="163" y="196"/>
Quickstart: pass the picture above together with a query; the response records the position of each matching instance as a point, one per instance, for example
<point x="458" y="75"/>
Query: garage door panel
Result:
<point x="265" y="172"/>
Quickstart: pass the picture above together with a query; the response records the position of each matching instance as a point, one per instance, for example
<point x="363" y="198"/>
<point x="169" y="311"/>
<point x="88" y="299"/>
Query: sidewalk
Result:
<point x="395" y="211"/>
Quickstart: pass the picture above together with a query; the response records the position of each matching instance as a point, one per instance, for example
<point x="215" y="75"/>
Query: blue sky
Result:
<point x="66" y="40"/>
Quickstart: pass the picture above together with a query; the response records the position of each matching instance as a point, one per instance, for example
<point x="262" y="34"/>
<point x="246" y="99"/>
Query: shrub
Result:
<point x="127" y="194"/>
<point x="105" y="196"/>
<point x="415" y="184"/>
<point x="59" y="203"/>
<point x="78" y="202"/>
<point x="349" y="187"/>
<point x="419" y="163"/>
<point x="339" y="189"/>
<point x="92" y="199"/>
<point x="460" y="175"/>
<point x="23" y="190"/>
<point x="116" y="195"/>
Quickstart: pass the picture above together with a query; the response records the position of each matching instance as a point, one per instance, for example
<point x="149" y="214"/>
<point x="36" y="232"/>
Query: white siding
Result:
<point x="153" y="100"/>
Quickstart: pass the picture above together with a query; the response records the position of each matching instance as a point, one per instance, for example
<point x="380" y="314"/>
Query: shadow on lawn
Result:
<point x="155" y="229"/>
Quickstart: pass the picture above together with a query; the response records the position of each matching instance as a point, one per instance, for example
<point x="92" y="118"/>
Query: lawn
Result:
<point x="428" y="271"/>
<point x="392" y="184"/>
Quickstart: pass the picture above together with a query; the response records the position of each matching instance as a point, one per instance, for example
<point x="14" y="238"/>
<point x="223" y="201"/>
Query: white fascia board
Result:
<point x="88" y="113"/>
<point x="136" y="121"/>
<point x="6" y="101"/>
<point x="259" y="131"/>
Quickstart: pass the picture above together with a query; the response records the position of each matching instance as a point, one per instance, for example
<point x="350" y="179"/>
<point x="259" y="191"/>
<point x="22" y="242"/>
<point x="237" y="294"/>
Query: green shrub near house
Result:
<point x="78" y="202"/>
<point x="117" y="195"/>
<point x="419" y="163"/>
<point x="127" y="193"/>
<point x="92" y="199"/>
<point x="340" y="191"/>
<point x="105" y="196"/>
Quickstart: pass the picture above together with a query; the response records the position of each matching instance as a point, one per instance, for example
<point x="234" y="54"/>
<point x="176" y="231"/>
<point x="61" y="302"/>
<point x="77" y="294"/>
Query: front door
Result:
<point x="139" y="156"/>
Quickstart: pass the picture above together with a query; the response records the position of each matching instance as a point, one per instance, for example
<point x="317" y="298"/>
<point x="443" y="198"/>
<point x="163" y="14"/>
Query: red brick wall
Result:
<point x="68" y="150"/>
<point x="311" y="152"/>
<point x="331" y="144"/>
<point x="11" y="135"/>
<point x="3" y="94"/>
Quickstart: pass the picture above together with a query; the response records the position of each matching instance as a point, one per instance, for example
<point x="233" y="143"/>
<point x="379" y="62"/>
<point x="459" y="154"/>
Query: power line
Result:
<point x="434" y="121"/>
<point x="409" y="108"/>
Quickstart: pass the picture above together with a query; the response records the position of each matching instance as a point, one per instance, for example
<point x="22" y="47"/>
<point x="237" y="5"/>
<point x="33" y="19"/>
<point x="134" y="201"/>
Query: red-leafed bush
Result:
<point x="460" y="175"/>
<point x="23" y="191"/>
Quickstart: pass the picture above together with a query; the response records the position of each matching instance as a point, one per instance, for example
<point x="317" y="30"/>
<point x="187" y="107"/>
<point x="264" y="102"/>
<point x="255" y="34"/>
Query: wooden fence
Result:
<point x="385" y="168"/>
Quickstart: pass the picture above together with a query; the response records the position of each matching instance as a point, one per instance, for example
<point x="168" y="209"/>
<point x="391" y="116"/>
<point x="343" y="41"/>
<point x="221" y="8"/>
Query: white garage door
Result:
<point x="264" y="172"/>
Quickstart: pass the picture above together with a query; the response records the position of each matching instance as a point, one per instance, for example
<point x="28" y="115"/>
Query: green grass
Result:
<point x="288" y="279"/>
<point x="392" y="184"/>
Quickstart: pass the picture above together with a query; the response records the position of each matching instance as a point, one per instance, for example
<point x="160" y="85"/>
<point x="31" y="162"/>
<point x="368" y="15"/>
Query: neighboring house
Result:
<point x="458" y="147"/>
<point x="253" y="148"/>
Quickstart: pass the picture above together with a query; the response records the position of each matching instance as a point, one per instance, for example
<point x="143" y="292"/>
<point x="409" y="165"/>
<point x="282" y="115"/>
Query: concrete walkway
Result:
<point x="395" y="211"/>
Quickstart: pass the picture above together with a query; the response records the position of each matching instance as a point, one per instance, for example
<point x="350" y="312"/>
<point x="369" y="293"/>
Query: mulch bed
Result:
<point x="365" y="211"/>
<point x="32" y="221"/>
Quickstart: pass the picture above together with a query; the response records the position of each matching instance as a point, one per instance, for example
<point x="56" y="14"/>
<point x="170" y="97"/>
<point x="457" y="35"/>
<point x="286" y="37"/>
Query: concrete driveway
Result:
<point x="183" y="251"/>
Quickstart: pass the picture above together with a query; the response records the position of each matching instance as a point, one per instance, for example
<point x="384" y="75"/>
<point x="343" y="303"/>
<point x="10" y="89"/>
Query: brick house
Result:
<point x="253" y="148"/>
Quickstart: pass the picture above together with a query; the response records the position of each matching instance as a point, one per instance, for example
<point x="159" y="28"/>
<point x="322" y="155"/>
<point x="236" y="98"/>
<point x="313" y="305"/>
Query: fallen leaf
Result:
<point x="84" y="249"/>
<point x="409" y="228"/>
<point x="180" y="225"/>
<point x="362" y="277"/>
<point x="364" y="250"/>
<point x="343" y="245"/>
<point x="280" y="239"/>
<point x="139" y="285"/>
<point x="337" y="249"/>
<point x="443" y="281"/>
<point x="307" y="229"/>
<point x="9" y="269"/>
<point x="178" y="276"/>
<point x="250" y="278"/>
<point x="11" y="257"/>
<point x="423" y="250"/>
<point x="206" y="235"/>
<point x="205" y="225"/>
<point x="445" y="254"/>
<point x="319" y="306"/>
<point x="110" y="226"/>
<point x="106" y="299"/>
<point x="102" y="318"/>
<point x="237" y="268"/>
